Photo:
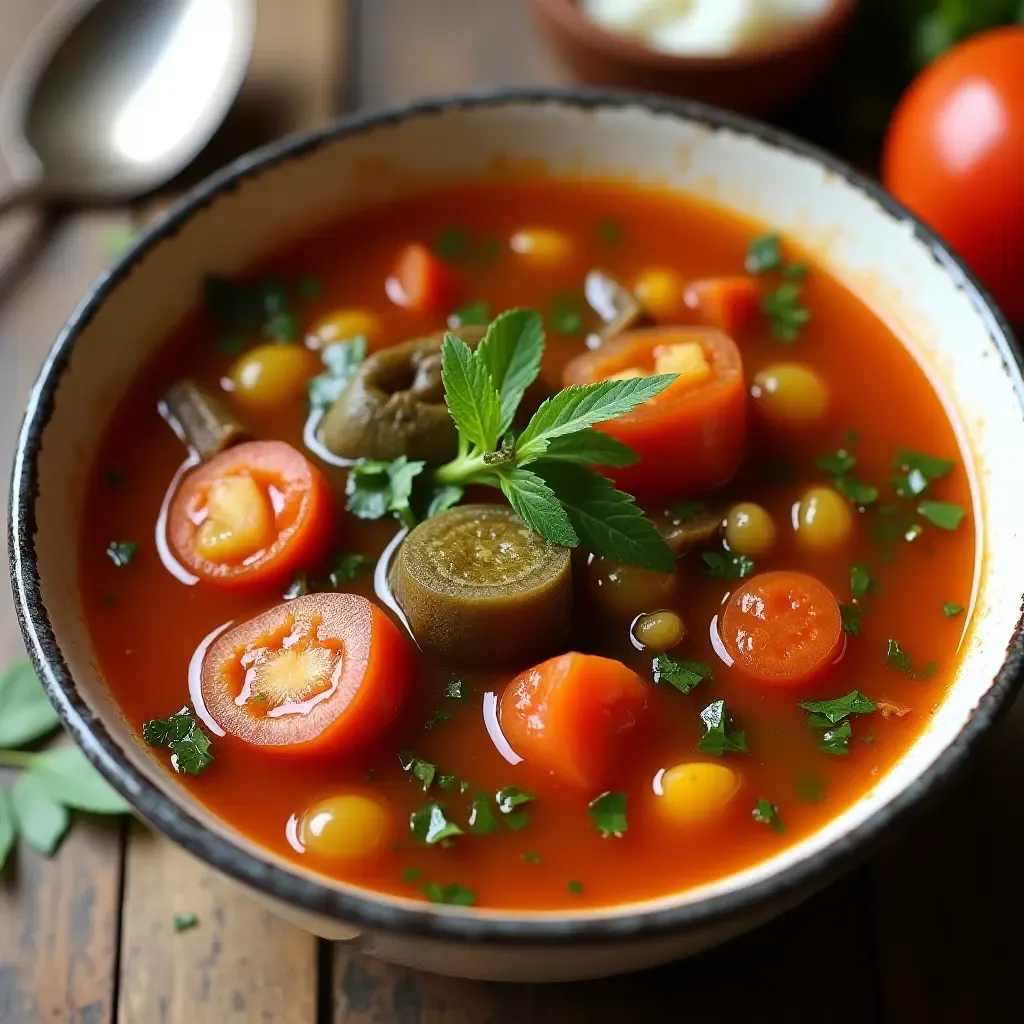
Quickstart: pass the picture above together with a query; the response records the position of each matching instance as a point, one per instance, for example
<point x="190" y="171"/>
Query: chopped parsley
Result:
<point x="796" y="271"/>
<point x="430" y="825"/>
<point x="727" y="567"/>
<point x="944" y="514"/>
<point x="575" y="887"/>
<point x="451" y="243"/>
<point x="783" y="308"/>
<point x="185" y="922"/>
<point x="410" y="876"/>
<point x="719" y="738"/>
<point x="609" y="231"/>
<point x="822" y="713"/>
<point x="766" y="813"/>
<point x="439" y="717"/>
<point x="481" y="818"/>
<point x="456" y="689"/>
<point x="851" y="619"/>
<point x="608" y="813"/>
<point x="763" y="254"/>
<point x="861" y="581"/>
<point x="121" y="552"/>
<point x="530" y="857"/>
<point x="858" y="492"/>
<point x="181" y="734"/>
<point x="283" y="328"/>
<point x="952" y="610"/>
<point x="340" y="359"/>
<point x="836" y="740"/>
<point x="448" y="781"/>
<point x="837" y="463"/>
<point x="917" y="471"/>
<point x="418" y="768"/>
<point x="683" y="675"/>
<point x="346" y="567"/>
<point x="510" y="797"/>
<point x="453" y="894"/>
<point x="811" y="787"/>
<point x="473" y="313"/>
<point x="565" y="315"/>
<point x="687" y="510"/>
<point x="897" y="658"/>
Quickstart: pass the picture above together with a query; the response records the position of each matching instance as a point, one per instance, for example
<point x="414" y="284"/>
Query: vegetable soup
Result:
<point x="530" y="545"/>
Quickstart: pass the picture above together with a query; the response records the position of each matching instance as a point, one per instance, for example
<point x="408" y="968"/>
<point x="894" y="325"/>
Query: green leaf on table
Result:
<point x="185" y="922"/>
<point x="8" y="826"/>
<point x="537" y="506"/>
<point x="376" y="489"/>
<point x="608" y="814"/>
<point x="470" y="392"/>
<point x="823" y="713"/>
<point x="42" y="821"/>
<point x="683" y="675"/>
<point x="764" y="253"/>
<point x="719" y="737"/>
<point x="430" y="825"/>
<point x="121" y="552"/>
<point x="607" y="521"/>
<point x="582" y="405"/>
<point x="766" y="813"/>
<point x="341" y="361"/>
<point x="68" y="777"/>
<point x="182" y="735"/>
<point x="511" y="351"/>
<point x="590" y="447"/>
<point x="727" y="567"/>
<point x="26" y="713"/>
<point x="944" y="514"/>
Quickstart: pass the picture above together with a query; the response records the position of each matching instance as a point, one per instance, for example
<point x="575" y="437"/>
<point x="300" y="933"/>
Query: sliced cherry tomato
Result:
<point x="253" y="515"/>
<point x="323" y="674"/>
<point x="728" y="303"/>
<point x="420" y="282"/>
<point x="954" y="154"/>
<point x="572" y="715"/>
<point x="782" y="628"/>
<point x="690" y="438"/>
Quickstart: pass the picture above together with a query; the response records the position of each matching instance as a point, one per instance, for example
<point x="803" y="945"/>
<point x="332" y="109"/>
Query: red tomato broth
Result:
<point x="145" y="640"/>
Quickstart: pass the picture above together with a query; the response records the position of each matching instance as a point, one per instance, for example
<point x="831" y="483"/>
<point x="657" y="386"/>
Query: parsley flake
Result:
<point x="453" y="894"/>
<point x="608" y="813"/>
<point x="575" y="887"/>
<point x="430" y="825"/>
<point x="764" y="253"/>
<point x="473" y="313"/>
<point x="788" y="317"/>
<point x="727" y="567"/>
<point x="456" y="689"/>
<point x="439" y="717"/>
<point x="510" y="797"/>
<point x="422" y="770"/>
<point x="565" y="315"/>
<point x="683" y="675"/>
<point x="837" y="463"/>
<point x="121" y="552"/>
<point x="897" y="658"/>
<point x="851" y="615"/>
<point x="811" y="788"/>
<point x="836" y="740"/>
<point x="952" y="610"/>
<point x="410" y="876"/>
<point x="944" y="514"/>
<point x="861" y="581"/>
<point x="181" y="734"/>
<point x="451" y="243"/>
<point x="917" y="472"/>
<point x="823" y="713"/>
<point x="609" y="231"/>
<point x="766" y="813"/>
<point x="719" y="738"/>
<point x="481" y="818"/>
<point x="530" y="857"/>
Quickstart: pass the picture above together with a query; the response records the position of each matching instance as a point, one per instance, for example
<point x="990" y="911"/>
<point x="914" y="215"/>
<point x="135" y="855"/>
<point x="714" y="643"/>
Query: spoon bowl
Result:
<point x="111" y="98"/>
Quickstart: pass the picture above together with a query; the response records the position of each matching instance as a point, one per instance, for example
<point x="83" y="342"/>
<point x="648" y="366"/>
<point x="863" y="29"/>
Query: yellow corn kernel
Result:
<point x="696" y="793"/>
<point x="239" y="521"/>
<point x="350" y="827"/>
<point x="688" y="360"/>
<point x="660" y="292"/>
<point x="628" y="374"/>
<point x="542" y="246"/>
<point x="342" y="325"/>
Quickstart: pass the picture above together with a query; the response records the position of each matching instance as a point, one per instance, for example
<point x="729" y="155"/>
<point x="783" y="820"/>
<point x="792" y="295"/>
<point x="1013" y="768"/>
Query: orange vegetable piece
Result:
<point x="323" y="674"/>
<point x="782" y="628"/>
<point x="252" y="516"/>
<point x="420" y="282"/>
<point x="691" y="437"/>
<point x="572" y="716"/>
<point x="728" y="303"/>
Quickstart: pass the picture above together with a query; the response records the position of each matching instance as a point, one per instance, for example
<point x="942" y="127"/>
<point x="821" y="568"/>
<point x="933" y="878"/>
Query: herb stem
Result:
<point x="461" y="470"/>
<point x="16" y="758"/>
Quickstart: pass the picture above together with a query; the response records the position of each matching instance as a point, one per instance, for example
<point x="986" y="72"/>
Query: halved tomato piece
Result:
<point x="253" y="515"/>
<point x="323" y="674"/>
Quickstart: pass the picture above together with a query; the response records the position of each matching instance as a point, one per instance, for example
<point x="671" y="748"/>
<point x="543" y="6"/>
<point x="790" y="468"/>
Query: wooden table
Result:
<point x="927" y="931"/>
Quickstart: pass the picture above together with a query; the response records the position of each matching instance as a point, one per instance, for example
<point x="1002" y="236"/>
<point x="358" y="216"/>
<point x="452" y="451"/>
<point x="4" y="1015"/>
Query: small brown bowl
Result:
<point x="758" y="80"/>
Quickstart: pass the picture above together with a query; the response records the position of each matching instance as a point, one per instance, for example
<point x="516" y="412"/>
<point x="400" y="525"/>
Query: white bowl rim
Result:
<point x="362" y="907"/>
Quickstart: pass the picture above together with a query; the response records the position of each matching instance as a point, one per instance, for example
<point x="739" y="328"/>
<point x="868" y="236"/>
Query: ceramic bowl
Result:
<point x="760" y="80"/>
<point x="275" y="194"/>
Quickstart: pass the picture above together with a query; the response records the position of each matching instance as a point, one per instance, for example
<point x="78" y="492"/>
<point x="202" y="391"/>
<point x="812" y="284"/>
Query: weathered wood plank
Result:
<point x="825" y="938"/>
<point x="239" y="965"/>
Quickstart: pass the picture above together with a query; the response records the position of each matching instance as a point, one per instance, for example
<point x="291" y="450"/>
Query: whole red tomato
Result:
<point x="954" y="154"/>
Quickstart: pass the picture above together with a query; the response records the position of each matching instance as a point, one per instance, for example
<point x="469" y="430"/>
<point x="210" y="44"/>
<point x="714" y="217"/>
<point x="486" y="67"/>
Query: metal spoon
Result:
<point x="110" y="98"/>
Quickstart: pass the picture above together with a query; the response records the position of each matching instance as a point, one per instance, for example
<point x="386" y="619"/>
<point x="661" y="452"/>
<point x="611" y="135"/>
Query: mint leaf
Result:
<point x="537" y="506"/>
<point x="582" y="405"/>
<point x="42" y="821"/>
<point x="607" y="521"/>
<point x="68" y="778"/>
<point x="429" y="825"/>
<point x="764" y="253"/>
<point x="943" y="514"/>
<point x="590" y="447"/>
<point x="718" y="737"/>
<point x="830" y="712"/>
<point x="766" y="813"/>
<point x="341" y="361"/>
<point x="608" y="813"/>
<point x="376" y="489"/>
<point x="8" y="826"/>
<point x="683" y="675"/>
<point x="26" y="713"/>
<point x="189" y="745"/>
<point x="470" y="393"/>
<point x="511" y="351"/>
